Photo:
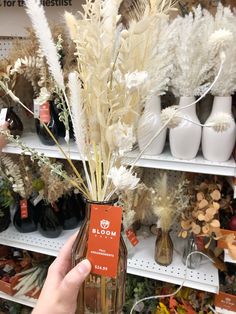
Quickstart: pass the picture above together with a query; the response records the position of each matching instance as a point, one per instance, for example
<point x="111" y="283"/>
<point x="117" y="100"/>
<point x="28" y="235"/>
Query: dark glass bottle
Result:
<point x="14" y="122"/>
<point x="25" y="217"/>
<point x="49" y="224"/>
<point x="67" y="205"/>
<point x="5" y="218"/>
<point x="47" y="115"/>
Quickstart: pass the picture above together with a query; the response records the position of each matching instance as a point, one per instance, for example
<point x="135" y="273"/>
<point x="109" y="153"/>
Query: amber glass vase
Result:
<point x="164" y="248"/>
<point x="99" y="294"/>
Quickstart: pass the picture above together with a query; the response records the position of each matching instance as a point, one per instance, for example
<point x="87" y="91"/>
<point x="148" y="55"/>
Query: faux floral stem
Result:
<point x="42" y="159"/>
<point x="16" y="99"/>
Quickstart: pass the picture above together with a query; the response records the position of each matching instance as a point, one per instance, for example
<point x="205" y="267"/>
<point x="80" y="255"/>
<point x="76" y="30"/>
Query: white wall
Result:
<point x="13" y="19"/>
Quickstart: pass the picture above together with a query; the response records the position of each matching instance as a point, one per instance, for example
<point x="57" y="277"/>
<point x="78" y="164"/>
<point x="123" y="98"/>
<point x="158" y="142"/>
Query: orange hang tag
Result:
<point x="23" y="209"/>
<point x="131" y="237"/>
<point x="104" y="239"/>
<point x="44" y="112"/>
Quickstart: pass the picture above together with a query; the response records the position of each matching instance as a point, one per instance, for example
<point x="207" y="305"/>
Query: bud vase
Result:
<point x="49" y="224"/>
<point x="5" y="217"/>
<point x="48" y="116"/>
<point x="218" y="146"/>
<point x="186" y="137"/>
<point x="191" y="246"/>
<point x="68" y="216"/>
<point x="25" y="217"/>
<point x="164" y="248"/>
<point x="148" y="125"/>
<point x="99" y="294"/>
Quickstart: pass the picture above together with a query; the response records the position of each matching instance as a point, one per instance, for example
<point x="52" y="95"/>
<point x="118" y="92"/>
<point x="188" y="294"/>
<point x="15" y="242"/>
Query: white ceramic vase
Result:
<point x="148" y="125"/>
<point x="185" y="139"/>
<point x="218" y="146"/>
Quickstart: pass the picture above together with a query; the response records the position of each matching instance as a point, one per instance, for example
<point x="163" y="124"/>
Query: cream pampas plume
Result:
<point x="40" y="24"/>
<point x="78" y="115"/>
<point x="78" y="119"/>
<point x="71" y="25"/>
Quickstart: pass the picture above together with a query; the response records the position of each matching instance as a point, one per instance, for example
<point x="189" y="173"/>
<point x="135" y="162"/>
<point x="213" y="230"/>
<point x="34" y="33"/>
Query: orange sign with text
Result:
<point x="44" y="112"/>
<point x="132" y="237"/>
<point x="23" y="209"/>
<point x="225" y="301"/>
<point x="104" y="239"/>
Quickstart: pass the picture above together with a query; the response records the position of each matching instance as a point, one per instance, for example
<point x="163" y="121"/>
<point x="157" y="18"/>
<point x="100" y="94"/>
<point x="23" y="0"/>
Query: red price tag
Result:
<point x="132" y="237"/>
<point x="104" y="239"/>
<point x="200" y="243"/>
<point x="23" y="209"/>
<point x="44" y="112"/>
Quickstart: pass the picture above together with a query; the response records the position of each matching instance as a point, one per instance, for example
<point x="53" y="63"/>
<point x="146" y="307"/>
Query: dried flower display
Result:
<point x="32" y="280"/>
<point x="200" y="41"/>
<point x="108" y="83"/>
<point x="54" y="186"/>
<point x="201" y="217"/>
<point x="20" y="176"/>
<point x="224" y="27"/>
<point x="169" y="200"/>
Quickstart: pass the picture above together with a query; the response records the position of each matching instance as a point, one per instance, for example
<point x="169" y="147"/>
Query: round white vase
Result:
<point x="185" y="139"/>
<point x="148" y="125"/>
<point x="218" y="146"/>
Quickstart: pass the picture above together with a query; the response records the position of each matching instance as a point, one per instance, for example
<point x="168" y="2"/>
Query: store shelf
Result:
<point x="141" y="262"/>
<point x="22" y="299"/>
<point x="163" y="161"/>
<point x="34" y="241"/>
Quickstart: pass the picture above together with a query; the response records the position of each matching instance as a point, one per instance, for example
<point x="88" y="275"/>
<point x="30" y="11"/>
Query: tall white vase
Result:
<point x="186" y="137"/>
<point x="218" y="146"/>
<point x="148" y="125"/>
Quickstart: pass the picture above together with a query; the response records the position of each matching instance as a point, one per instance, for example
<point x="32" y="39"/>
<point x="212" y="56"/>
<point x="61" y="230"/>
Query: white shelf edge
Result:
<point x="141" y="262"/>
<point x="34" y="241"/>
<point x="228" y="258"/>
<point x="163" y="161"/>
<point x="22" y="300"/>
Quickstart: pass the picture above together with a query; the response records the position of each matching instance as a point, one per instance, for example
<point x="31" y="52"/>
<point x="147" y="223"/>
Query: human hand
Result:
<point x="60" y="290"/>
<point x="3" y="140"/>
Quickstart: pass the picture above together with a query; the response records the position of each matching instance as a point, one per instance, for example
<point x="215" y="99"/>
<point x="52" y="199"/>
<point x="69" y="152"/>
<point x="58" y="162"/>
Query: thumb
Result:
<point x="73" y="280"/>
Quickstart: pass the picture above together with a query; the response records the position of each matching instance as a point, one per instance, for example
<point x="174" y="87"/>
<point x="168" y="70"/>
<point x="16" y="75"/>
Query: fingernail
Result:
<point x="84" y="266"/>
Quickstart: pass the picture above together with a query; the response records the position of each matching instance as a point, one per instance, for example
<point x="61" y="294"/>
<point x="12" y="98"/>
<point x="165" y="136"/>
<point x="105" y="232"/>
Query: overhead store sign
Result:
<point x="14" y="20"/>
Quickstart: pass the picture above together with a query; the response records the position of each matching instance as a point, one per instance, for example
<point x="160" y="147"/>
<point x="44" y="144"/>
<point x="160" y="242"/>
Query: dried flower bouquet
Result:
<point x="169" y="200"/>
<point x="104" y="96"/>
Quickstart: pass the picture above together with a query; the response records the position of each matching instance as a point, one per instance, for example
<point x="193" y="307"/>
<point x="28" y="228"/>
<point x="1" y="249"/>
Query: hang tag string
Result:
<point x="174" y="293"/>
